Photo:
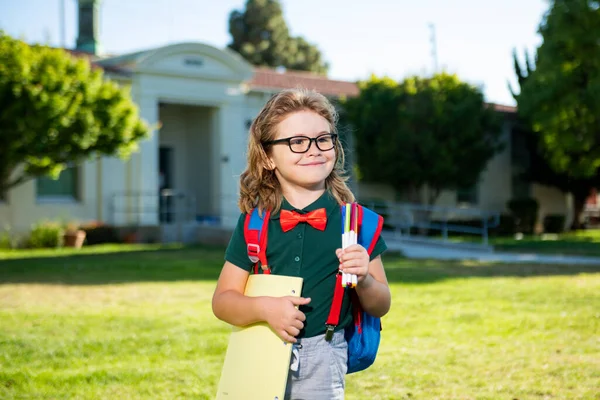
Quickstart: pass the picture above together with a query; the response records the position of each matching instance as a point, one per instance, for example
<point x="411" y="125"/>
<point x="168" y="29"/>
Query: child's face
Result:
<point x="306" y="170"/>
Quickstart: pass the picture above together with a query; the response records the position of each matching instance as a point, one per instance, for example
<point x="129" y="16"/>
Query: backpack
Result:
<point x="364" y="335"/>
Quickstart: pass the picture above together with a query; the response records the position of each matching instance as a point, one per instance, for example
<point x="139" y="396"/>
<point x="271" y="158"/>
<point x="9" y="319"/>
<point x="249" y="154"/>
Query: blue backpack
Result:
<point x="364" y="335"/>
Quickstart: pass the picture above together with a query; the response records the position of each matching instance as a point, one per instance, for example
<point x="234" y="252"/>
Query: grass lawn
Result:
<point x="136" y="323"/>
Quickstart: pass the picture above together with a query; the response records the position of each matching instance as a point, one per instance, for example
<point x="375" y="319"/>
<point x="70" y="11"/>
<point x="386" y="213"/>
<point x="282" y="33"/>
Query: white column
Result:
<point x="231" y="159"/>
<point x="145" y="165"/>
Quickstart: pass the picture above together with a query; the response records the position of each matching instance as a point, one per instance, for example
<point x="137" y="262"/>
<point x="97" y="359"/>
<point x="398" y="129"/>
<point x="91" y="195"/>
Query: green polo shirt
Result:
<point x="308" y="253"/>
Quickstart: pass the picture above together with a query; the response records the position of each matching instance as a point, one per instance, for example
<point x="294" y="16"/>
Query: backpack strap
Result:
<point x="370" y="225"/>
<point x="369" y="229"/>
<point x="255" y="233"/>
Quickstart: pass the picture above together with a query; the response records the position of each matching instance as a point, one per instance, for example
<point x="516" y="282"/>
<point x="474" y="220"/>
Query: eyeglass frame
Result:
<point x="288" y="141"/>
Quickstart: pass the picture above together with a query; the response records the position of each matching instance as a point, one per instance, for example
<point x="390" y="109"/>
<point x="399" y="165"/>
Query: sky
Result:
<point x="473" y="38"/>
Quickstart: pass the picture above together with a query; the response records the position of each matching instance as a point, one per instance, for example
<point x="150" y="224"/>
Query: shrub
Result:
<point x="524" y="210"/>
<point x="100" y="234"/>
<point x="506" y="226"/>
<point x="554" y="223"/>
<point x="46" y="235"/>
<point x="5" y="241"/>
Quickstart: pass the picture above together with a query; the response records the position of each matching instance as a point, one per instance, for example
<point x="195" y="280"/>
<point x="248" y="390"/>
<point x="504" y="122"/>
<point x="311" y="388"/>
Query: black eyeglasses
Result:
<point x="301" y="144"/>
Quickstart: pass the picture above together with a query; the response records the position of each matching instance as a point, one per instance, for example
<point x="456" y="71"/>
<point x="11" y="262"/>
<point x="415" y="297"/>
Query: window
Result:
<point x="468" y="195"/>
<point x="66" y="187"/>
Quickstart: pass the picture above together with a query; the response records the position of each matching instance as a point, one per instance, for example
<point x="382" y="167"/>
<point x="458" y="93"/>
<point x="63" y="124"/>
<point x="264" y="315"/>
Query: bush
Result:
<point x="46" y="235"/>
<point x="97" y="233"/>
<point x="554" y="223"/>
<point x="5" y="241"/>
<point x="506" y="226"/>
<point x="525" y="212"/>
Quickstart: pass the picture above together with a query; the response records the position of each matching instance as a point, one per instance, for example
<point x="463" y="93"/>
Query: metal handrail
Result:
<point x="177" y="206"/>
<point x="167" y="205"/>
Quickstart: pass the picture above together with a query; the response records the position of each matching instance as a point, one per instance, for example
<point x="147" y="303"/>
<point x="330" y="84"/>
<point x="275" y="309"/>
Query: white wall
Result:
<point x="495" y="188"/>
<point x="23" y="208"/>
<point x="552" y="201"/>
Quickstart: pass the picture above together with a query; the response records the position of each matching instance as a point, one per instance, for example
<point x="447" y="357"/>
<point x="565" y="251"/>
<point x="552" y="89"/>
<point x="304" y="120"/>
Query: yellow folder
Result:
<point x="257" y="361"/>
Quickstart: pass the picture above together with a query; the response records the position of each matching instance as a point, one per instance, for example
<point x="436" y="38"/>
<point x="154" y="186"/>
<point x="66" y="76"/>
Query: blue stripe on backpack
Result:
<point x="364" y="335"/>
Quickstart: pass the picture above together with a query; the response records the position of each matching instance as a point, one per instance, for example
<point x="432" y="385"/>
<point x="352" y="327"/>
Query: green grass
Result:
<point x="136" y="323"/>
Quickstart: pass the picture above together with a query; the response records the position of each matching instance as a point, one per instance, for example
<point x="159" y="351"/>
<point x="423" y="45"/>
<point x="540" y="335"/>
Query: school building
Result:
<point x="202" y="100"/>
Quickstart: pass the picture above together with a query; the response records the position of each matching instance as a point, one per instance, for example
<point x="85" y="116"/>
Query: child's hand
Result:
<point x="354" y="259"/>
<point x="283" y="316"/>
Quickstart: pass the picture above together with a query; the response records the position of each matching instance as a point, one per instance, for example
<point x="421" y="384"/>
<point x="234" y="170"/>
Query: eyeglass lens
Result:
<point x="302" y="144"/>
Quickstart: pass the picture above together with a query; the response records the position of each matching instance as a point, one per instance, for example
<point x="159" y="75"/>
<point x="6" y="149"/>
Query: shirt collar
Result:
<point x="326" y="201"/>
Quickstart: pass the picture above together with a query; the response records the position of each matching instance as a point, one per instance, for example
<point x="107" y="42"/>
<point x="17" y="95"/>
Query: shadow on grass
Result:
<point x="578" y="243"/>
<point x="564" y="247"/>
<point x="112" y="266"/>
<point x="204" y="263"/>
<point x="402" y="270"/>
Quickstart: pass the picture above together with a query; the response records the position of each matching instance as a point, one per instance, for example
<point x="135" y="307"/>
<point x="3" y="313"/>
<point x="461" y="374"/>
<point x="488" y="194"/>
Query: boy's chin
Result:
<point x="313" y="185"/>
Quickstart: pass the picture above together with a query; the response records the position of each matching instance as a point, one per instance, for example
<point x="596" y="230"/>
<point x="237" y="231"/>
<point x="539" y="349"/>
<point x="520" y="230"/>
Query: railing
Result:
<point x="169" y="206"/>
<point x="405" y="217"/>
<point x="175" y="207"/>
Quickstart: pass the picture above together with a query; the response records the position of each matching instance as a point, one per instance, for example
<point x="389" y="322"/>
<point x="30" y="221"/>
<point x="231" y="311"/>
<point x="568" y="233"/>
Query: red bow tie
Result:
<point x="317" y="219"/>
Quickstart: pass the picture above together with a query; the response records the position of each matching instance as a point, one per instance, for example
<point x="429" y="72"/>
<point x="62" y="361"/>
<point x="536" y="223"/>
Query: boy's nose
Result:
<point x="313" y="148"/>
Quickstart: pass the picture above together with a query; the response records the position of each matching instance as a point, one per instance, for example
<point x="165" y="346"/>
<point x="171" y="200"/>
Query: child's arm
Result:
<point x="372" y="289"/>
<point x="231" y="305"/>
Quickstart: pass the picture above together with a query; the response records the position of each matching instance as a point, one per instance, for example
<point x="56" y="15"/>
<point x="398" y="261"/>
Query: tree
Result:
<point x="56" y="109"/>
<point x="260" y="34"/>
<point x="538" y="168"/>
<point x="433" y="131"/>
<point x="560" y="98"/>
<point x="303" y="56"/>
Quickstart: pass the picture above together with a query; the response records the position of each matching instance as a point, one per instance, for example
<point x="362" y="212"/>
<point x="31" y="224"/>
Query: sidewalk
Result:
<point x="487" y="254"/>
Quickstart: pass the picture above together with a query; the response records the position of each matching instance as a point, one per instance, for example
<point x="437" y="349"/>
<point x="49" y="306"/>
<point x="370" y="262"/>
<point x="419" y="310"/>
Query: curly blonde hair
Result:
<point x="259" y="186"/>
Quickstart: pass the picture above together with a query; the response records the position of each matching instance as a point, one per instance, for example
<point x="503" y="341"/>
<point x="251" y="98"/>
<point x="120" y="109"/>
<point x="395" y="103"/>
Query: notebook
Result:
<point x="257" y="361"/>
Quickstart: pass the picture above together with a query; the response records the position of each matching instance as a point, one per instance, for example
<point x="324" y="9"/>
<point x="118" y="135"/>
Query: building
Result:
<point x="202" y="101"/>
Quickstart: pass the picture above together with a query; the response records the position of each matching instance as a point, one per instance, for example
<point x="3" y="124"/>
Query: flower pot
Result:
<point x="130" y="238"/>
<point x="74" y="239"/>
